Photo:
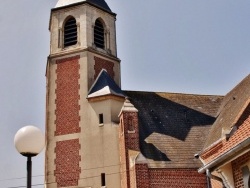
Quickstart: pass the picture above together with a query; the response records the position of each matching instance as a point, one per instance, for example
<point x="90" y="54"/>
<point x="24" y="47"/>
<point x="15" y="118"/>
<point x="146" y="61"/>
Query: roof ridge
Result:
<point x="176" y="93"/>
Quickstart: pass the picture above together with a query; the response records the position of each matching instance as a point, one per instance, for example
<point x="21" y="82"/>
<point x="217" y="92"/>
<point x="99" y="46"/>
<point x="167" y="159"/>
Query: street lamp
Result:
<point x="29" y="142"/>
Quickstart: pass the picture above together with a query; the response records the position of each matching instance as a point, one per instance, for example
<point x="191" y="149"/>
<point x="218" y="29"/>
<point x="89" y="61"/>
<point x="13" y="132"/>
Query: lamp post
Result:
<point x="29" y="142"/>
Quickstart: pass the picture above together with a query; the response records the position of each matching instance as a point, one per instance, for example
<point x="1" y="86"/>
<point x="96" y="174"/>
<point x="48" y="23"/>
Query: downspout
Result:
<point x="208" y="180"/>
<point x="211" y="176"/>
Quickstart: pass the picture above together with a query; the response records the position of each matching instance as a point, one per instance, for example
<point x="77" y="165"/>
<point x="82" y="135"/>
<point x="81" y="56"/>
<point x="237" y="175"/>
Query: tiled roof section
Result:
<point x="173" y="127"/>
<point x="99" y="3"/>
<point x="230" y="111"/>
<point x="241" y="134"/>
<point x="104" y="85"/>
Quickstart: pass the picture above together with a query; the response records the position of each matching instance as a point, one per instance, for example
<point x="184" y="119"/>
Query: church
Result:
<point x="100" y="136"/>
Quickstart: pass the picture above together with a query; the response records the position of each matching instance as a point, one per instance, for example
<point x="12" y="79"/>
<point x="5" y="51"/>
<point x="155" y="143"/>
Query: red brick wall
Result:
<point x="67" y="163"/>
<point x="168" y="178"/>
<point x="237" y="164"/>
<point x="103" y="64"/>
<point x="67" y="96"/>
<point x="177" y="178"/>
<point x="142" y="176"/>
<point x="131" y="136"/>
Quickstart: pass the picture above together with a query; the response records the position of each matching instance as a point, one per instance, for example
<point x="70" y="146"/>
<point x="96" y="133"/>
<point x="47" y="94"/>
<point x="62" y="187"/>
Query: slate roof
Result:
<point x="105" y="85"/>
<point x="99" y="3"/>
<point x="232" y="107"/>
<point x="173" y="127"/>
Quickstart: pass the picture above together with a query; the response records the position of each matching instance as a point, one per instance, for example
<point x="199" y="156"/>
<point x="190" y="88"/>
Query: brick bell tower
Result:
<point x="83" y="97"/>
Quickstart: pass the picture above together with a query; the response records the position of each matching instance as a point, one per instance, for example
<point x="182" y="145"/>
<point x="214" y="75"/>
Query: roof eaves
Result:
<point x="227" y="156"/>
<point x="105" y="97"/>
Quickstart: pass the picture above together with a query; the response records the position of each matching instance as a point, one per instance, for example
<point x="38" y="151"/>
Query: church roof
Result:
<point x="99" y="3"/>
<point x="105" y="85"/>
<point x="173" y="127"/>
<point x="232" y="107"/>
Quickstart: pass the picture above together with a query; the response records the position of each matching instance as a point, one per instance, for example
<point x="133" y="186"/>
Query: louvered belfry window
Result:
<point x="99" y="34"/>
<point x="70" y="32"/>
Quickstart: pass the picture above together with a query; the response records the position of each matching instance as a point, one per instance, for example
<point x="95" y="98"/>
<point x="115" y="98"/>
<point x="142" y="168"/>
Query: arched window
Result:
<point x="99" y="34"/>
<point x="70" y="32"/>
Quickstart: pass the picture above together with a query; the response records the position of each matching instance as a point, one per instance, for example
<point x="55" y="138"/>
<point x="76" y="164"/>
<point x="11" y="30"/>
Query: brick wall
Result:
<point x="178" y="178"/>
<point x="237" y="169"/>
<point x="67" y="96"/>
<point x="142" y="176"/>
<point x="168" y="178"/>
<point x="67" y="163"/>
<point x="131" y="130"/>
<point x="103" y="64"/>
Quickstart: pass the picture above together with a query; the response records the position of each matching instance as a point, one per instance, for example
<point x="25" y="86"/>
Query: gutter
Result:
<point x="231" y="153"/>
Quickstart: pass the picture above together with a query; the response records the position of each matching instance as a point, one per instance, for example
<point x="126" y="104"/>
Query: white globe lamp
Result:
<point x="29" y="141"/>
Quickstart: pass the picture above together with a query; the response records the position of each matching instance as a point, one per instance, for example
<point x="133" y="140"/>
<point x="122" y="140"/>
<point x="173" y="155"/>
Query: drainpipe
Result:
<point x="211" y="176"/>
<point x="208" y="181"/>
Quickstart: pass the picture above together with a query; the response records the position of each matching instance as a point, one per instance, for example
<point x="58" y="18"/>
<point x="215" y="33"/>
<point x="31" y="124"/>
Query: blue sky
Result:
<point x="164" y="45"/>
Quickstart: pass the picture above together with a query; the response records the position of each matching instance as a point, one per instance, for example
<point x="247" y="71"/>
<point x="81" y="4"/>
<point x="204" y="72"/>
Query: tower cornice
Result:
<point x="77" y="4"/>
<point x="66" y="53"/>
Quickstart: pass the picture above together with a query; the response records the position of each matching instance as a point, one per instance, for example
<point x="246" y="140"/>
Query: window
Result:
<point x="103" y="181"/>
<point x="70" y="32"/>
<point x="99" y="34"/>
<point x="100" y="118"/>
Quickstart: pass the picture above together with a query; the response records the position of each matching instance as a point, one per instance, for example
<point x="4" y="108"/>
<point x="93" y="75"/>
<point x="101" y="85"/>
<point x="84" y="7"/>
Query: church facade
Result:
<point x="101" y="136"/>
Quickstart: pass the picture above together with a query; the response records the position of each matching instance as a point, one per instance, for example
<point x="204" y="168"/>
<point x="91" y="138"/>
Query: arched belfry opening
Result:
<point x="70" y="32"/>
<point x="99" y="34"/>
